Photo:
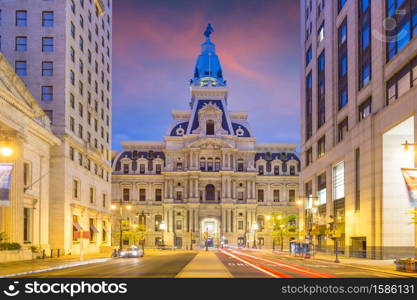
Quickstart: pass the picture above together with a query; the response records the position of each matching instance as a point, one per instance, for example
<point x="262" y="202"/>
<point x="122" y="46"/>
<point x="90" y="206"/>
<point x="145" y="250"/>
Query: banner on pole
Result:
<point x="5" y="180"/>
<point x="410" y="177"/>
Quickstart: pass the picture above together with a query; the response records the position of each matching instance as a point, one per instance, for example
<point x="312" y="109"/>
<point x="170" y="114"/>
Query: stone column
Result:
<point x="253" y="189"/>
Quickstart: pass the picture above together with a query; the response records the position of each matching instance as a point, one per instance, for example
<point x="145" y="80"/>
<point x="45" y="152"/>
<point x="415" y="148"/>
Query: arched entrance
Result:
<point x="210" y="232"/>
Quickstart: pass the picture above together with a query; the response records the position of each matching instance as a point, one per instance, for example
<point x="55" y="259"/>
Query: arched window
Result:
<point x="210" y="192"/>
<point x="142" y="219"/>
<point x="202" y="164"/>
<point x="261" y="222"/>
<point x="158" y="221"/>
<point x="240" y="165"/>
<point x="217" y="164"/>
<point x="210" y="165"/>
<point x="276" y="170"/>
<point x="210" y="127"/>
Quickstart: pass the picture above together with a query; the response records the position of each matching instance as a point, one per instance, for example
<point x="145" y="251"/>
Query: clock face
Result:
<point x="206" y="81"/>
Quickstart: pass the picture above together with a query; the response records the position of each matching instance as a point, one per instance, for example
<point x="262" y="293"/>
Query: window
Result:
<point x="47" y="93"/>
<point x="261" y="170"/>
<point x="240" y="196"/>
<point x="178" y="196"/>
<point x="49" y="114"/>
<point x="81" y="65"/>
<point x="339" y="181"/>
<point x="404" y="16"/>
<point x="341" y="4"/>
<point x="81" y="44"/>
<point x="72" y="54"/>
<point x="75" y="189"/>
<point x="71" y="153"/>
<point x="309" y="106"/>
<point x="26" y="225"/>
<point x="343" y="65"/>
<point x="142" y="194"/>
<point x="321" y="189"/>
<point x="47" y="68"/>
<point x="321" y="147"/>
<point x="260" y="195"/>
<point x="365" y="109"/>
<point x="47" y="44"/>
<point x="210" y="127"/>
<point x="178" y="225"/>
<point x="357" y="179"/>
<point x="21" y="43"/>
<point x="47" y="18"/>
<point x="92" y="195"/>
<point x="93" y="230"/>
<point x="342" y="130"/>
<point x="321" y="101"/>
<point x="21" y="68"/>
<point x="401" y="82"/>
<point x="158" y="169"/>
<point x="309" y="56"/>
<point x="291" y="195"/>
<point x="72" y="124"/>
<point x="276" y="170"/>
<point x="292" y="170"/>
<point x="276" y="196"/>
<point x="210" y="192"/>
<point x="27" y="174"/>
<point x="158" y="222"/>
<point x="21" y="18"/>
<point x="126" y="194"/>
<point x="240" y="225"/>
<point x="72" y="101"/>
<point x="320" y="33"/>
<point x="309" y="157"/>
<point x="73" y="6"/>
<point x="80" y="131"/>
<point x="158" y="195"/>
<point x="72" y="77"/>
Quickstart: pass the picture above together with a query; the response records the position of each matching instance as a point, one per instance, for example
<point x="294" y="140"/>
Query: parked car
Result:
<point x="132" y="251"/>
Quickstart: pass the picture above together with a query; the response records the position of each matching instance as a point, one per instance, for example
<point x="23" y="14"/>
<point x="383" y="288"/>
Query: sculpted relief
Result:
<point x="210" y="121"/>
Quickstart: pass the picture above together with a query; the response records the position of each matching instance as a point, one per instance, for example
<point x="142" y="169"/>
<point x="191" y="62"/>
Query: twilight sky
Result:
<point x="155" y="47"/>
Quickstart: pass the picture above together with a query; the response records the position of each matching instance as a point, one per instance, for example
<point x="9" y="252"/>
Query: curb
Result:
<point x="65" y="266"/>
<point x="370" y="269"/>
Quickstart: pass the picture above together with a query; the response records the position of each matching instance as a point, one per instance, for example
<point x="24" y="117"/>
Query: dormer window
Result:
<point x="292" y="170"/>
<point x="240" y="165"/>
<point x="158" y="169"/>
<point x="261" y="170"/>
<point x="210" y="127"/>
<point x="179" y="166"/>
<point x="125" y="168"/>
<point x="142" y="168"/>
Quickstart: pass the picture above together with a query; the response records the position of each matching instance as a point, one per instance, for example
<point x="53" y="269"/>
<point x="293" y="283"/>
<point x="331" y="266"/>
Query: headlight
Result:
<point x="122" y="253"/>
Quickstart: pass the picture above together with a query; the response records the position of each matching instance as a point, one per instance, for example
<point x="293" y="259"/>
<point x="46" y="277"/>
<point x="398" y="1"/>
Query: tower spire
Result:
<point x="208" y="71"/>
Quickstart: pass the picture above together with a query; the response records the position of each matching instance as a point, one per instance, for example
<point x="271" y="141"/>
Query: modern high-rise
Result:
<point x="61" y="49"/>
<point x="359" y="106"/>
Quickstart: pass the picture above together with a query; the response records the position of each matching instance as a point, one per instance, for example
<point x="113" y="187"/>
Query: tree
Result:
<point x="283" y="227"/>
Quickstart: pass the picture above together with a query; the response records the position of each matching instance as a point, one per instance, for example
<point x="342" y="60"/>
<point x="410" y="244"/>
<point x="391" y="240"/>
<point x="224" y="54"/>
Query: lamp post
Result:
<point x="128" y="207"/>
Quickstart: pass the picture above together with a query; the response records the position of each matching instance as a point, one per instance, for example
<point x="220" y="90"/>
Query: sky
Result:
<point x="156" y="44"/>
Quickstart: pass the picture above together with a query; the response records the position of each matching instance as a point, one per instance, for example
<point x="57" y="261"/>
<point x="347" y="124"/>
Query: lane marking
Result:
<point x="291" y="267"/>
<point x="271" y="273"/>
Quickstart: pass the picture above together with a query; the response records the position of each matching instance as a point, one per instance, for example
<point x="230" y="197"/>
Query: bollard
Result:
<point x="57" y="254"/>
<point x="52" y="253"/>
<point x="43" y="253"/>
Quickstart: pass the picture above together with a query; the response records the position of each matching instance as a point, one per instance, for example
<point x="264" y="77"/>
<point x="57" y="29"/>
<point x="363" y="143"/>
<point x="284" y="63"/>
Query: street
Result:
<point x="237" y="263"/>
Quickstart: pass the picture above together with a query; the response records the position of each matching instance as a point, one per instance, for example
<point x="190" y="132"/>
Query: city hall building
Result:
<point x="208" y="180"/>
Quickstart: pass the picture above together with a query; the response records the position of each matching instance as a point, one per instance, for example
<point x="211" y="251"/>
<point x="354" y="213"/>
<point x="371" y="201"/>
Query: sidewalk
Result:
<point x="386" y="266"/>
<point x="9" y="269"/>
<point x="205" y="265"/>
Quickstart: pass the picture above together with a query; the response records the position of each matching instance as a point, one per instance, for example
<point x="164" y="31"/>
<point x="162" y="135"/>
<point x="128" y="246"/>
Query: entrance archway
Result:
<point x="210" y="232"/>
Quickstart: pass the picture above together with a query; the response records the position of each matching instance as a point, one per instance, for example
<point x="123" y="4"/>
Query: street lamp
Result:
<point x="255" y="227"/>
<point x="6" y="149"/>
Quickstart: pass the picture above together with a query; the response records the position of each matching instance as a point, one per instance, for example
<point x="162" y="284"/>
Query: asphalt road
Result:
<point x="166" y="265"/>
<point x="253" y="264"/>
<point x="239" y="263"/>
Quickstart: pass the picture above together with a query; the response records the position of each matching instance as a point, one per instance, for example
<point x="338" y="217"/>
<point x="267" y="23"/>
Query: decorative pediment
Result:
<point x="210" y="143"/>
<point x="210" y="112"/>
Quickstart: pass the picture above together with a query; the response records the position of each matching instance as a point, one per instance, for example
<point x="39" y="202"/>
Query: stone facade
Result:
<point x="209" y="181"/>
<point x="72" y="82"/>
<point x="351" y="179"/>
<point x="25" y="128"/>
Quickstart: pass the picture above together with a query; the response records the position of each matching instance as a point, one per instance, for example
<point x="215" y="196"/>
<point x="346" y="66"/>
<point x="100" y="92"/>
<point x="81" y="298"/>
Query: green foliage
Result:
<point x="10" y="246"/>
<point x="34" y="249"/>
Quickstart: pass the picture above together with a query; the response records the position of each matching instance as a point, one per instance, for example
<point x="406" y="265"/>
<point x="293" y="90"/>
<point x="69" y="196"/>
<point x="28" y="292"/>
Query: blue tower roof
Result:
<point x="208" y="71"/>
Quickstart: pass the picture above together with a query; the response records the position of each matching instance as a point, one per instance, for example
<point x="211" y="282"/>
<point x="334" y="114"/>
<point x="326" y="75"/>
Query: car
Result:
<point x="132" y="251"/>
